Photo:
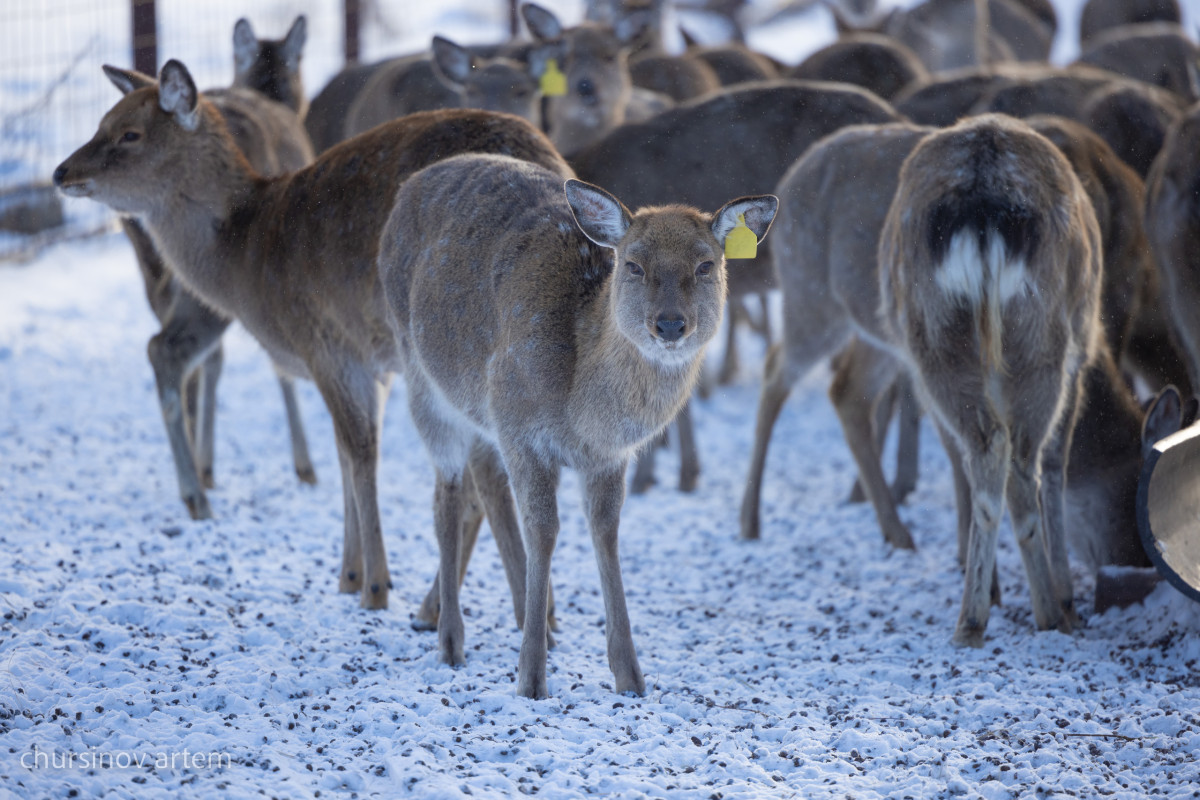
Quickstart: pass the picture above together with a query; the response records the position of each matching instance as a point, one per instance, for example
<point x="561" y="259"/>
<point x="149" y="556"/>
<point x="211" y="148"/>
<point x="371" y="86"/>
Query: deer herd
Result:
<point x="539" y="236"/>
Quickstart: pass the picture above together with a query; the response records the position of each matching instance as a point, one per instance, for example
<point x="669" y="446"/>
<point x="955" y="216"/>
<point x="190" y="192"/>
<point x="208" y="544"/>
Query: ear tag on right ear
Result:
<point x="741" y="241"/>
<point x="554" y="83"/>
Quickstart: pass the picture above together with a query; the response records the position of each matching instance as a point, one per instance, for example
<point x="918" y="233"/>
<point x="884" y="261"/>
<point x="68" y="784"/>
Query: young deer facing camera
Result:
<point x="293" y="257"/>
<point x="990" y="274"/>
<point x="519" y="334"/>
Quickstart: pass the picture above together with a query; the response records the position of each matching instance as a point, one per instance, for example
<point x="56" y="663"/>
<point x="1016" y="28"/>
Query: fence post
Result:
<point x="350" y="15"/>
<point x="145" y="36"/>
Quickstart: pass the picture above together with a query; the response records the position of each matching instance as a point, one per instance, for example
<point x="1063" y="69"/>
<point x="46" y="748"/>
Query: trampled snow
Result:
<point x="146" y="655"/>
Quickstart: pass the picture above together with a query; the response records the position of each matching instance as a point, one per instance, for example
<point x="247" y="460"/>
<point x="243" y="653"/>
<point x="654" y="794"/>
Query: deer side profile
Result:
<point x="293" y="258"/>
<point x="991" y="266"/>
<point x="186" y="354"/>
<point x="450" y="77"/>
<point x="573" y="357"/>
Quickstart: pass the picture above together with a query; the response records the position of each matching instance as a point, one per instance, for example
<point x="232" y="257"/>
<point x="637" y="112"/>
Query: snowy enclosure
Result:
<point x="146" y="655"/>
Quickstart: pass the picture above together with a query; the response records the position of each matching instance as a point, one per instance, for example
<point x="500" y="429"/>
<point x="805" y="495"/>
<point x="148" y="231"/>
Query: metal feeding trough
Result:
<point x="1168" y="509"/>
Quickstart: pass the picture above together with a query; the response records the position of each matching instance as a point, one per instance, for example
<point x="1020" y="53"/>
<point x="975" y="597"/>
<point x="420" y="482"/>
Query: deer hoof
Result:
<point x="198" y="507"/>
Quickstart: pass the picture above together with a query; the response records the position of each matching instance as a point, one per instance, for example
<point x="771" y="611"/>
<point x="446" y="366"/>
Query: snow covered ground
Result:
<point x="145" y="655"/>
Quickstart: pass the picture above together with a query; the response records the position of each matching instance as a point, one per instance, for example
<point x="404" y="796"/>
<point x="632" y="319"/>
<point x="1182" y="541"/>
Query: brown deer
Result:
<point x="825" y="244"/>
<point x="574" y="356"/>
<point x="990" y="266"/>
<point x="1099" y="16"/>
<point x="186" y="354"/>
<point x="1158" y="53"/>
<point x="450" y="77"/>
<point x="740" y="141"/>
<point x="271" y="66"/>
<point x="1173" y="225"/>
<point x="880" y="63"/>
<point x="594" y="60"/>
<point x="292" y="257"/>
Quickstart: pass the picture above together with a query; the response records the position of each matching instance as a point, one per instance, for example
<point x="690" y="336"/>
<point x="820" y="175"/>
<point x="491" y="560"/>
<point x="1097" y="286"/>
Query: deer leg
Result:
<point x="426" y="618"/>
<point x="729" y="361"/>
<point x="300" y="457"/>
<point x="534" y="486"/>
<point x="351" y="577"/>
<point x="987" y="459"/>
<point x="643" y="471"/>
<point x="908" y="440"/>
<point x="689" y="457"/>
<point x="1029" y="529"/>
<point x="189" y="335"/>
<point x="604" y="494"/>
<point x="880" y="420"/>
<point x="777" y="385"/>
<point x="204" y="413"/>
<point x="353" y="397"/>
<point x="447" y="523"/>
<point x="1052" y="487"/>
<point x="864" y="374"/>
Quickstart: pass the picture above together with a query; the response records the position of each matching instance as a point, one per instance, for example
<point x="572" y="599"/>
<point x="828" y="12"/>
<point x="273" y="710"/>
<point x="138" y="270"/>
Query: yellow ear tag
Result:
<point x="741" y="241"/>
<point x="554" y="83"/>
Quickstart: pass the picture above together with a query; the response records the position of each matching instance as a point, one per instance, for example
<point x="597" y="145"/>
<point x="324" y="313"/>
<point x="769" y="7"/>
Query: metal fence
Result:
<point x="53" y="93"/>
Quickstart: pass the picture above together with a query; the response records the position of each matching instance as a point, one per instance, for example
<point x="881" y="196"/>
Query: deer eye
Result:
<point x="635" y="270"/>
<point x="130" y="136"/>
<point x="704" y="269"/>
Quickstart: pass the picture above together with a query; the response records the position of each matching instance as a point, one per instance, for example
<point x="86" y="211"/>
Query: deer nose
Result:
<point x="60" y="174"/>
<point x="670" y="329"/>
<point x="586" y="89"/>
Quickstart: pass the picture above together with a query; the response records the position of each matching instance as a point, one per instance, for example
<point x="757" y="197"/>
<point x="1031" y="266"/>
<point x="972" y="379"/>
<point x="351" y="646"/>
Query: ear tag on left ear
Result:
<point x="554" y="83"/>
<point x="741" y="241"/>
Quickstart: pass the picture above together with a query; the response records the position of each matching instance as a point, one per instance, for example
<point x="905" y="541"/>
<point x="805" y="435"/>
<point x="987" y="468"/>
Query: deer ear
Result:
<point x="602" y="217"/>
<point x="177" y="94"/>
<point x="630" y="27"/>
<point x="451" y="62"/>
<point x="245" y="46"/>
<point x="293" y="43"/>
<point x="127" y="80"/>
<point x="1164" y="417"/>
<point x="541" y="22"/>
<point x="759" y="211"/>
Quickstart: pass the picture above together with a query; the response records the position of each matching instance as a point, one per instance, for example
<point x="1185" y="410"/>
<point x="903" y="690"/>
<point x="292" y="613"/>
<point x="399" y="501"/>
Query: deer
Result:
<point x="451" y="77"/>
<point x="876" y="62"/>
<point x="594" y="60"/>
<point x="292" y="258"/>
<point x="186" y="354"/>
<point x="826" y="243"/>
<point x="1158" y="53"/>
<point x="991" y="267"/>
<point x="1099" y="16"/>
<point x="947" y="34"/>
<point x="733" y="63"/>
<point x="1174" y="232"/>
<point x="271" y="66"/>
<point x="588" y="329"/>
<point x="741" y="140"/>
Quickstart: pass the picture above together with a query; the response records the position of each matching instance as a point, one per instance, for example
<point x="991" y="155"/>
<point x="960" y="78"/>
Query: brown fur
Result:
<point x="1158" y="53"/>
<point x="1008" y="424"/>
<point x="271" y="67"/>
<point x="293" y="257"/>
<point x="569" y="359"/>
<point x="1099" y="16"/>
<point x="875" y="62"/>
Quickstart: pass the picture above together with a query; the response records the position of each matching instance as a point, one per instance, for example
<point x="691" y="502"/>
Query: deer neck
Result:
<point x="203" y="226"/>
<point x="620" y="396"/>
<point x="1108" y="430"/>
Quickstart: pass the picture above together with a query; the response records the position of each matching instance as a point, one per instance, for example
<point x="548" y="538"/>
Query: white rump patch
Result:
<point x="965" y="274"/>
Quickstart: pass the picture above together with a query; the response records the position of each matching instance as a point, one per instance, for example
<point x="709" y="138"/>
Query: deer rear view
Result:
<point x="990" y="275"/>
<point x="553" y="355"/>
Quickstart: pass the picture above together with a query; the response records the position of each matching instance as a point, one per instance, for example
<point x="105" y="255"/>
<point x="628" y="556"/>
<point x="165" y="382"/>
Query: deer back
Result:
<point x="1158" y="53"/>
<point x="1102" y="15"/>
<point x="881" y="64"/>
<point x="991" y="253"/>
